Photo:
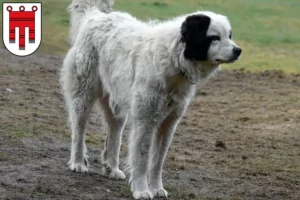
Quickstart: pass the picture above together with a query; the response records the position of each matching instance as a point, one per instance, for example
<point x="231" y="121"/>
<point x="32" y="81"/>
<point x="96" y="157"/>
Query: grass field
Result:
<point x="267" y="30"/>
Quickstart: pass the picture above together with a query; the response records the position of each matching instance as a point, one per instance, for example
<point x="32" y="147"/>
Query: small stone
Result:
<point x="220" y="144"/>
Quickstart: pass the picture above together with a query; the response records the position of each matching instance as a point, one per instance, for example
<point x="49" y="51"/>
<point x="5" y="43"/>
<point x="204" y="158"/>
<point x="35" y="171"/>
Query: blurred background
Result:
<point x="267" y="30"/>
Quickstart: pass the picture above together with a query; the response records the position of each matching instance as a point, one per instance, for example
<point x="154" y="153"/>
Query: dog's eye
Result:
<point x="215" y="38"/>
<point x="230" y="35"/>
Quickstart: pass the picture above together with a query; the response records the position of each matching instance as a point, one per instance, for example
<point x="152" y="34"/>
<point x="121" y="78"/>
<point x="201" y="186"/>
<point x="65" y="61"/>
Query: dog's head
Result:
<point x="208" y="37"/>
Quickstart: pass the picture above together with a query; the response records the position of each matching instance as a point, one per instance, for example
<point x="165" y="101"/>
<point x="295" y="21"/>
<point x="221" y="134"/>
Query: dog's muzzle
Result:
<point x="236" y="54"/>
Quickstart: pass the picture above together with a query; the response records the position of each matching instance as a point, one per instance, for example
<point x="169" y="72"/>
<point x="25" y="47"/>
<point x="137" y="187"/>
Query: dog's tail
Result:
<point x="79" y="8"/>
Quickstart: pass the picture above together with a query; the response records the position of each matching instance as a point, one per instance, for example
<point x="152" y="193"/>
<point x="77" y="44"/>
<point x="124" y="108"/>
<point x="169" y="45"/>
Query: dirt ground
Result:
<point x="240" y="139"/>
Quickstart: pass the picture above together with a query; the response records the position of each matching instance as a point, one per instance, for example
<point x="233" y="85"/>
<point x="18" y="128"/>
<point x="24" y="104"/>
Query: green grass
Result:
<point x="2" y="156"/>
<point x="123" y="190"/>
<point x="267" y="30"/>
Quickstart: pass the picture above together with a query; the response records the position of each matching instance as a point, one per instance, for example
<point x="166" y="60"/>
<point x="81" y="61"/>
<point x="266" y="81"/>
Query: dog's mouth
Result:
<point x="231" y="60"/>
<point x="224" y="61"/>
<point x="219" y="61"/>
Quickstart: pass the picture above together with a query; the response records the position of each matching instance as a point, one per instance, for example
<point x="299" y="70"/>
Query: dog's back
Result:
<point x="78" y="10"/>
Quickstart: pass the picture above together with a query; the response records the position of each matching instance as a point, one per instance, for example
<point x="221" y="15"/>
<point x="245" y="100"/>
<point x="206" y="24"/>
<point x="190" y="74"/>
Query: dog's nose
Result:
<point x="237" y="51"/>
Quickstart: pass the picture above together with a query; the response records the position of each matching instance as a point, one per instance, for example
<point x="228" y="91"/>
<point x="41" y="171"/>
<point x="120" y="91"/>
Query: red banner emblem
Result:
<point x="22" y="27"/>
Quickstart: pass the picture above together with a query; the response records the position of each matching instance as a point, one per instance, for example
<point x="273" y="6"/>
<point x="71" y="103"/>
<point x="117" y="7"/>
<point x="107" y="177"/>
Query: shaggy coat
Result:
<point x="144" y="72"/>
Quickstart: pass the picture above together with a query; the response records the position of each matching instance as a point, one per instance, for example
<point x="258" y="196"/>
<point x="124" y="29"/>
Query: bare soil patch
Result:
<point x="238" y="140"/>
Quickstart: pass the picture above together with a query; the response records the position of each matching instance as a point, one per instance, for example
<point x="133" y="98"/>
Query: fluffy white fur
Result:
<point x="136" y="71"/>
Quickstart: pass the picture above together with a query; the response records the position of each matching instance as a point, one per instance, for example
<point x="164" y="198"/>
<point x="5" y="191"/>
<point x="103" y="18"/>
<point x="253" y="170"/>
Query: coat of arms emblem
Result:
<point x="22" y="27"/>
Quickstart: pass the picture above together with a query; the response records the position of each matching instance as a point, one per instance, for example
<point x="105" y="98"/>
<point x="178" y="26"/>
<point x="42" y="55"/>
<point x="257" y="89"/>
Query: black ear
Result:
<point x="193" y="32"/>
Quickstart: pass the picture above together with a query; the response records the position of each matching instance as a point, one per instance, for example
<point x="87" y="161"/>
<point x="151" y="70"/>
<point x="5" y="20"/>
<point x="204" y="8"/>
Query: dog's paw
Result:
<point x="81" y="167"/>
<point x="78" y="167"/>
<point x="142" y="195"/>
<point x="115" y="174"/>
<point x="160" y="193"/>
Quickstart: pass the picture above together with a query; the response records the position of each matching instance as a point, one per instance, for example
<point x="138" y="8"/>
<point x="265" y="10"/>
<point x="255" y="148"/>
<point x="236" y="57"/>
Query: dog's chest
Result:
<point x="179" y="91"/>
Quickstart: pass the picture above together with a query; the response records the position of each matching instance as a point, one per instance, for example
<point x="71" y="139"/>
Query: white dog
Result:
<point x="144" y="72"/>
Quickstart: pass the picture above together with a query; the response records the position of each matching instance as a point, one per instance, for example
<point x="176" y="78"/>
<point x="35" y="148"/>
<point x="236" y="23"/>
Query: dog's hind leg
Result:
<point x="159" y="150"/>
<point x="110" y="154"/>
<point x="79" y="112"/>
<point x="80" y="94"/>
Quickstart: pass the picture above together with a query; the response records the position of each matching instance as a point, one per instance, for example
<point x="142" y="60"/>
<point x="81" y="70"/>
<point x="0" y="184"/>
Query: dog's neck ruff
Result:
<point x="198" y="72"/>
<point x="184" y="75"/>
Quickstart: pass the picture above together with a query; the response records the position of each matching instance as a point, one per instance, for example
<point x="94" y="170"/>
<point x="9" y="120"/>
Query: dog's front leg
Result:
<point x="146" y="114"/>
<point x="161" y="143"/>
<point x="139" y="156"/>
